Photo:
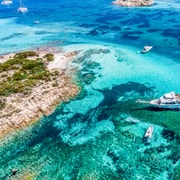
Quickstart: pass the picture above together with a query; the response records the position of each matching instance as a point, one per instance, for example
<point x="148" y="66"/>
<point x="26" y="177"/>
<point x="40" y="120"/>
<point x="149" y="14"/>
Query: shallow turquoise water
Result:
<point x="99" y="134"/>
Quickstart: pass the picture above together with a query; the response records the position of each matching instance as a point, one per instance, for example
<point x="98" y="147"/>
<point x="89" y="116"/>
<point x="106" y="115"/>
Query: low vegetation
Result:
<point x="49" y="57"/>
<point x="22" y="72"/>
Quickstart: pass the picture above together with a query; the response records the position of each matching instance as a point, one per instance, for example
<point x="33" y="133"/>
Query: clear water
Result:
<point x="98" y="135"/>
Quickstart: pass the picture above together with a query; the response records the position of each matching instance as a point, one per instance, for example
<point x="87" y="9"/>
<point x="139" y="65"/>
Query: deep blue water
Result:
<point x="99" y="134"/>
<point x="157" y="25"/>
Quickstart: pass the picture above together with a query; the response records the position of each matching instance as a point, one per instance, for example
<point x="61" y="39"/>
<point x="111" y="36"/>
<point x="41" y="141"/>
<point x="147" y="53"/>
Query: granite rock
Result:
<point x="133" y="2"/>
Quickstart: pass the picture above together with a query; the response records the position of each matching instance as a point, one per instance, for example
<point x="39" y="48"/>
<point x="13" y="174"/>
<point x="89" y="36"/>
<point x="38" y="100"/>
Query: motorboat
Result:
<point x="167" y="101"/>
<point x="6" y="2"/>
<point x="146" y="49"/>
<point x="149" y="132"/>
<point x="22" y="8"/>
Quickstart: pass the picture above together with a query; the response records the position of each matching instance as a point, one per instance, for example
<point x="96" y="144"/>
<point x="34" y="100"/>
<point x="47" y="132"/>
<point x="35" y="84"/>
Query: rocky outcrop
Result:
<point x="133" y="2"/>
<point x="24" y="109"/>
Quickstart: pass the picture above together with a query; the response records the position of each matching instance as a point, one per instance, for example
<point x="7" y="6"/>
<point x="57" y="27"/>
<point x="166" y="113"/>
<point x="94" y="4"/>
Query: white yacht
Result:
<point x="146" y="49"/>
<point x="168" y="101"/>
<point x="22" y="8"/>
<point x="6" y="2"/>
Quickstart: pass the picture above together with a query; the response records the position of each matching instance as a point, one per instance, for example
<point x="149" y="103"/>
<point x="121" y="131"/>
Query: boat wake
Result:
<point x="142" y="101"/>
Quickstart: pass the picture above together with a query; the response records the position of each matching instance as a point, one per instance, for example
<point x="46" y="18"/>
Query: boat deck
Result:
<point x="178" y="97"/>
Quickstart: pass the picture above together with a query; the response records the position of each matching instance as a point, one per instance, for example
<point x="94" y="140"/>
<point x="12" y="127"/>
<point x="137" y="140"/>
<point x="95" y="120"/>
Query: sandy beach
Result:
<point x="21" y="110"/>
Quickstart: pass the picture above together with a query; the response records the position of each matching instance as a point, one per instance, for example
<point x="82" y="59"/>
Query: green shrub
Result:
<point x="4" y="67"/>
<point x="25" y="54"/>
<point x="49" y="57"/>
<point x="30" y="64"/>
<point x="27" y="73"/>
<point x="2" y="105"/>
<point x="17" y="76"/>
<point x="54" y="84"/>
<point x="56" y="73"/>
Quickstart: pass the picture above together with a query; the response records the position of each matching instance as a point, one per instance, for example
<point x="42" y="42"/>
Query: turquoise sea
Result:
<point x="98" y="135"/>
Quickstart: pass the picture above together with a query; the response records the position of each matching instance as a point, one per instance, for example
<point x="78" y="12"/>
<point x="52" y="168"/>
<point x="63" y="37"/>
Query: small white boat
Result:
<point x="36" y="22"/>
<point x="6" y="2"/>
<point x="22" y="8"/>
<point x="149" y="132"/>
<point x="167" y="101"/>
<point x="146" y="49"/>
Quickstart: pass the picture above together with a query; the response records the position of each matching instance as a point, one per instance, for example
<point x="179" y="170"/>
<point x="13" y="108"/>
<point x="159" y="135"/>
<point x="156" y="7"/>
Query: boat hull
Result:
<point x="146" y="49"/>
<point x="155" y="103"/>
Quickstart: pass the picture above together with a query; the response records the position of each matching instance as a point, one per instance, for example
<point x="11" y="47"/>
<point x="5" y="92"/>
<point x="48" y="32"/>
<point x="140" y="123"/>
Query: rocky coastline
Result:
<point x="22" y="109"/>
<point x="130" y="3"/>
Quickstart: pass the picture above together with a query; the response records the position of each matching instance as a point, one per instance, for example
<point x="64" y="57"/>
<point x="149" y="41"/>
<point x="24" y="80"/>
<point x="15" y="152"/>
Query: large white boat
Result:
<point x="168" y="101"/>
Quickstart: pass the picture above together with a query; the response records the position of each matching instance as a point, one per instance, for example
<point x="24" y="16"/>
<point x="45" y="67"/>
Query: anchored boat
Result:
<point x="6" y="2"/>
<point x="168" y="101"/>
<point x="146" y="49"/>
<point x="148" y="135"/>
<point x="149" y="132"/>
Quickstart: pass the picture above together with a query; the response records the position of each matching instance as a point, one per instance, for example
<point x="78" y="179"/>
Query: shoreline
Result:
<point x="22" y="110"/>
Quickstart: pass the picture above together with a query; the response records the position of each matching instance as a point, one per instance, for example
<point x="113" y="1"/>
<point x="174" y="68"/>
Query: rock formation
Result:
<point x="21" y="109"/>
<point x="133" y="2"/>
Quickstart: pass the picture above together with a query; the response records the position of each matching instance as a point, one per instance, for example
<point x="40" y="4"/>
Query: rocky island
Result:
<point x="32" y="83"/>
<point x="133" y="2"/>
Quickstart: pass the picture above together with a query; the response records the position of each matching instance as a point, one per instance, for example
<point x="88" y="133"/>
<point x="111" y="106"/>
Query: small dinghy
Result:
<point x="149" y="132"/>
<point x="146" y="49"/>
<point x="148" y="135"/>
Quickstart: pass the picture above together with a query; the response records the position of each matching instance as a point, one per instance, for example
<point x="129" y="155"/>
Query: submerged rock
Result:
<point x="133" y="2"/>
<point x="14" y="171"/>
<point x="79" y="133"/>
<point x="167" y="134"/>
